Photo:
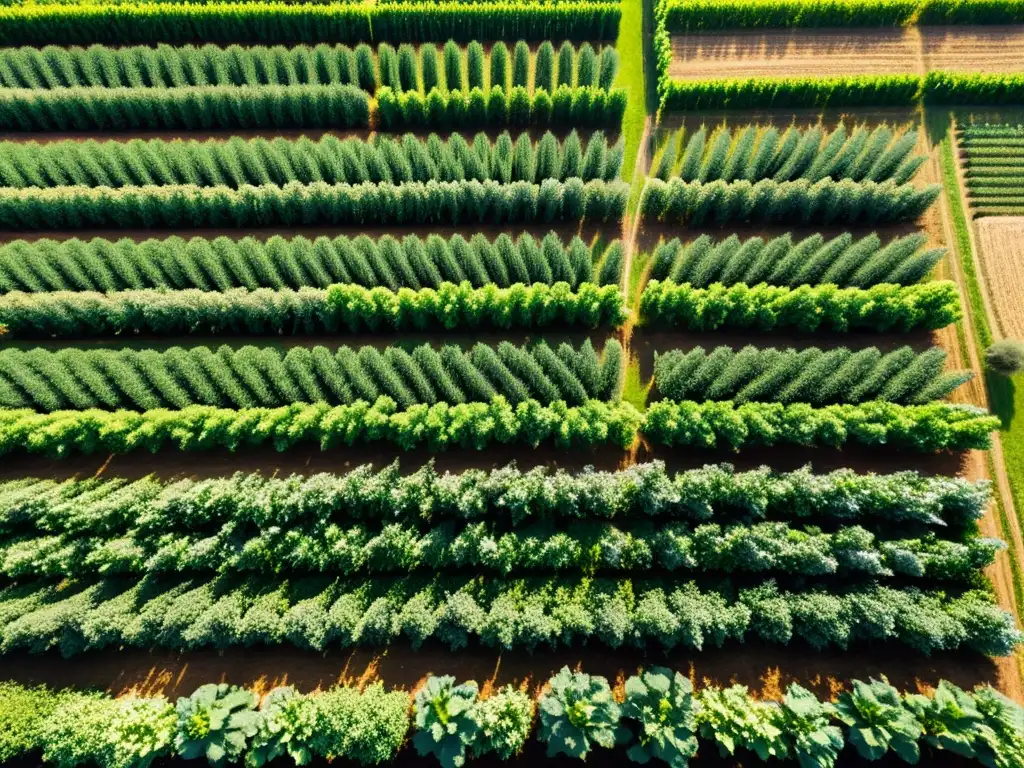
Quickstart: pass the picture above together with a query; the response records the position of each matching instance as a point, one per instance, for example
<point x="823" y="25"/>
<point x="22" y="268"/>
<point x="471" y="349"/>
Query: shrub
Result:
<point x="505" y="720"/>
<point x="577" y="714"/>
<point x="287" y="726"/>
<point x="1005" y="357"/>
<point x="216" y="722"/>
<point x="24" y="714"/>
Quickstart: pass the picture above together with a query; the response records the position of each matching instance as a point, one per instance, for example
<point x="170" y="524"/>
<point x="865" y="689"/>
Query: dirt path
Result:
<point x="818" y="52"/>
<point x="1001" y="241"/>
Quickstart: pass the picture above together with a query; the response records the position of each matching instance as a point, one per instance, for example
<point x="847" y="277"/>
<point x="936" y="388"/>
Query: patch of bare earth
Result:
<point x="974" y="49"/>
<point x="795" y="53"/>
<point x="1002" y="258"/>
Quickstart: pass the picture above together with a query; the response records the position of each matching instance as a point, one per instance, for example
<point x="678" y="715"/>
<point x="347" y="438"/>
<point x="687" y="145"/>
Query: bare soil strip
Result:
<point x="794" y="53"/>
<point x="822" y="52"/>
<point x="1002" y="253"/>
<point x="765" y="669"/>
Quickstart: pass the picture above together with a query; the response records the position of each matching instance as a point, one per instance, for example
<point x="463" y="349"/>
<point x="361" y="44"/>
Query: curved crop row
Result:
<point x="931" y="427"/>
<point x="508" y="495"/>
<point x="527" y="613"/>
<point x="849" y="553"/>
<point x="824" y="202"/>
<point x="238" y="162"/>
<point x="436" y="202"/>
<point x="882" y="307"/>
<point x="222" y="263"/>
<point x="757" y="152"/>
<point x="842" y="261"/>
<point x="812" y="375"/>
<point x="340" y="308"/>
<point x="451" y="67"/>
<point x="276" y="22"/>
<point x="252" y="377"/>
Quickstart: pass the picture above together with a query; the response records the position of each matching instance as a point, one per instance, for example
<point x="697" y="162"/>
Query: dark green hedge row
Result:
<point x="691" y="15"/>
<point x="746" y="93"/>
<point x="260" y="22"/>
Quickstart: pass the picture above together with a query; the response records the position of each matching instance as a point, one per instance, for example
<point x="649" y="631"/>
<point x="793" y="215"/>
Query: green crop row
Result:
<point x="300" y="106"/>
<point x="756" y="153"/>
<point x="946" y="88"/>
<point x="436" y="428"/>
<point x="507" y="496"/>
<point x="251" y="377"/>
<point x="275" y="22"/>
<point x="237" y="162"/>
<point x="452" y="67"/>
<point x="563" y="106"/>
<point x="185" y="206"/>
<point x="690" y="16"/>
<point x="529" y="613"/>
<point x="932" y="427"/>
<point x="852" y="554"/>
<point x="222" y="263"/>
<point x="812" y="375"/>
<point x="884" y="308"/>
<point x="337" y="309"/>
<point x="787" y="202"/>
<point x="779" y="261"/>
<point x="660" y="717"/>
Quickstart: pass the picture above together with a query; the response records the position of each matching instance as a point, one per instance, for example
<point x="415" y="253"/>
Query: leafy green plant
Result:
<point x="733" y="720"/>
<point x="949" y="717"/>
<point x="813" y="741"/>
<point x="23" y="715"/>
<point x="505" y="720"/>
<point x="216" y="722"/>
<point x="287" y="726"/>
<point x="444" y="720"/>
<point x="662" y="705"/>
<point x="877" y="721"/>
<point x="1001" y="740"/>
<point x="578" y="713"/>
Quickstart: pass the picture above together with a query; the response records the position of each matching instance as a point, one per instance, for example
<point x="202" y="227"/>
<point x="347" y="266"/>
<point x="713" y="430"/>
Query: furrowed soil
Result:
<point x="1002" y="254"/>
<point x="765" y="669"/>
<point x="836" y="52"/>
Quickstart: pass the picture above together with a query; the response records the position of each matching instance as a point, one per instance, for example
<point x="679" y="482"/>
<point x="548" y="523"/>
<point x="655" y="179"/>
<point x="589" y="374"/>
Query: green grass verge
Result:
<point x="635" y="390"/>
<point x="630" y="45"/>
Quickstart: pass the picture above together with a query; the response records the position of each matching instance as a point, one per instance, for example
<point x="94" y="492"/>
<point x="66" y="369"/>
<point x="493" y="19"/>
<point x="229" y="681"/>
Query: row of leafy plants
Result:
<point x="764" y="152"/>
<point x="811" y="375"/>
<point x="265" y="22"/>
<point x="939" y="88"/>
<point x="452" y="67"/>
<point x="717" y="203"/>
<point x="239" y="162"/>
<point x="222" y="263"/>
<point x="506" y="496"/>
<point x="658" y="717"/>
<point x="881" y="308"/>
<point x="725" y="424"/>
<point x="302" y="106"/>
<point x="339" y="308"/>
<point x="435" y="202"/>
<point x="810" y="260"/>
<point x="526" y="613"/>
<point x="850" y="553"/>
<point x="250" y="376"/>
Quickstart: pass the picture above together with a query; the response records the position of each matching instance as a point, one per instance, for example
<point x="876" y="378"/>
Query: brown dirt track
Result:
<point x="1002" y="253"/>
<point x="836" y="52"/>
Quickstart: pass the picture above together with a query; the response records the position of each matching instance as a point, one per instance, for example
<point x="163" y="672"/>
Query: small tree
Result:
<point x="1006" y="356"/>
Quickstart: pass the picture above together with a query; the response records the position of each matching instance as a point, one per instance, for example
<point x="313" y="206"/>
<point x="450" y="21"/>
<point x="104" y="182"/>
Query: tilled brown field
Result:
<point x="820" y="52"/>
<point x="795" y="53"/>
<point x="1002" y="253"/>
